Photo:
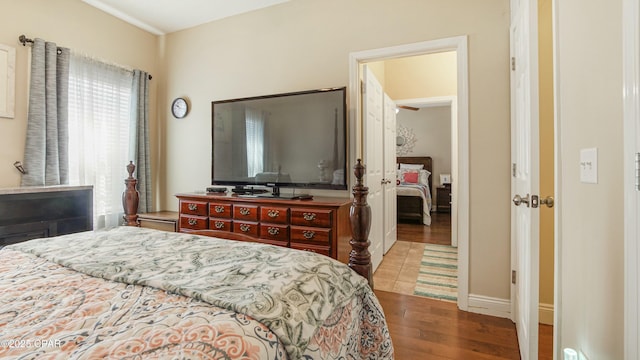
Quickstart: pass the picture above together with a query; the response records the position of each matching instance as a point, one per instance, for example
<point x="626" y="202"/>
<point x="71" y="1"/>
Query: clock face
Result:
<point x="179" y="108"/>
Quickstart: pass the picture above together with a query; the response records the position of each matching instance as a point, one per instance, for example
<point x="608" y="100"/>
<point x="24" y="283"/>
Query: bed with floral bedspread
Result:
<point x="139" y="293"/>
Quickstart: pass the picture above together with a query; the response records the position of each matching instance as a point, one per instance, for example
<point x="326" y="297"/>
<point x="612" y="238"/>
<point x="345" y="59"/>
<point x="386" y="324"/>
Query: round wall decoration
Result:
<point x="405" y="140"/>
<point x="179" y="108"/>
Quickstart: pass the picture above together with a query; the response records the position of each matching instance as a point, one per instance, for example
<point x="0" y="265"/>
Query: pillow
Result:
<point x="424" y="177"/>
<point x="412" y="166"/>
<point x="408" y="176"/>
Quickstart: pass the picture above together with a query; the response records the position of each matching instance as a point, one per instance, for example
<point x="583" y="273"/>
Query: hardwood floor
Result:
<point x="439" y="232"/>
<point x="423" y="328"/>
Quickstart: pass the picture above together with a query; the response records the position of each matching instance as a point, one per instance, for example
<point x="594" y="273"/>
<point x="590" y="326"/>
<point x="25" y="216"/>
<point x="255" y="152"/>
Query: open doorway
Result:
<point x="460" y="186"/>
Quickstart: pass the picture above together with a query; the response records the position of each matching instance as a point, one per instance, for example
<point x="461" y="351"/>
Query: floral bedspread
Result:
<point x="136" y="293"/>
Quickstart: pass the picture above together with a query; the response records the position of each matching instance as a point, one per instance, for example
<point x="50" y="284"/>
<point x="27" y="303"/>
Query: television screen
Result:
<point x="284" y="140"/>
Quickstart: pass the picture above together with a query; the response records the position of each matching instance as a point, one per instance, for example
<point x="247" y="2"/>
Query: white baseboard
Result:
<point x="502" y="308"/>
<point x="489" y="306"/>
<point x="545" y="314"/>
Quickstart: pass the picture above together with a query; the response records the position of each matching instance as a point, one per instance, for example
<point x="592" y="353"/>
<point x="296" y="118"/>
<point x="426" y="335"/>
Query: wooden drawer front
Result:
<point x="301" y="234"/>
<point x="193" y="222"/>
<point x="193" y="207"/>
<point x="220" y="224"/>
<point x="245" y="212"/>
<point x="324" y="250"/>
<point x="247" y="228"/>
<point x="311" y="217"/>
<point x="274" y="232"/>
<point x="275" y="215"/>
<point x="220" y="210"/>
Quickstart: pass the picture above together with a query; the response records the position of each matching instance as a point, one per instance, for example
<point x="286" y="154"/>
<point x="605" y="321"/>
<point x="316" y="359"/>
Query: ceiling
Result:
<point x="166" y="16"/>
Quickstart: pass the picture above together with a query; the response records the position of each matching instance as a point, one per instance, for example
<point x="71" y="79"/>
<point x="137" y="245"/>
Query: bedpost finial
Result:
<point x="130" y="169"/>
<point x="359" y="170"/>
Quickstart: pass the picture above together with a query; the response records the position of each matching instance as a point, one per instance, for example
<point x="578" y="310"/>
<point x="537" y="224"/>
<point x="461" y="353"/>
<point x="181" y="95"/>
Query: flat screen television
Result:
<point x="291" y="140"/>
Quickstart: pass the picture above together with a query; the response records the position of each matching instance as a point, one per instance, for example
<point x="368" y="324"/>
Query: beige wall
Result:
<point x="545" y="71"/>
<point x="413" y="77"/>
<point x="84" y="29"/>
<point x="589" y="91"/>
<point x="305" y="44"/>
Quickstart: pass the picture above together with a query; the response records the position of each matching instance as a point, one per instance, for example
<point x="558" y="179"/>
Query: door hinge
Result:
<point x="513" y="169"/>
<point x="362" y="87"/>
<point x="513" y="63"/>
<point x="513" y="277"/>
<point x="637" y="171"/>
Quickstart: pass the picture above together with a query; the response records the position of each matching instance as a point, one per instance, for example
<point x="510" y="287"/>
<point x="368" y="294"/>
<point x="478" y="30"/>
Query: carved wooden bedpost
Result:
<point x="130" y="198"/>
<point x="360" y="216"/>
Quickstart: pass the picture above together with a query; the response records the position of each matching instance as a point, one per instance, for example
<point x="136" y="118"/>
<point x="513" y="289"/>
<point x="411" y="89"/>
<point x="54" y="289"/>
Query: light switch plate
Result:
<point x="589" y="166"/>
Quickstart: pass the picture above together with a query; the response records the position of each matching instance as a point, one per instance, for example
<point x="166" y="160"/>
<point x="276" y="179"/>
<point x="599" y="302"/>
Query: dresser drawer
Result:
<point x="324" y="250"/>
<point x="193" y="222"/>
<point x="247" y="228"/>
<point x="193" y="207"/>
<point x="275" y="215"/>
<point x="220" y="224"/>
<point x="245" y="212"/>
<point x="220" y="210"/>
<point x="311" y="217"/>
<point x="274" y="232"/>
<point x="300" y="234"/>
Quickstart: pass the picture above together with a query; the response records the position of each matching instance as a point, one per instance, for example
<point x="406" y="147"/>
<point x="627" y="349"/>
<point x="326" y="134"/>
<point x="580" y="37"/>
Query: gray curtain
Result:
<point x="46" y="157"/>
<point x="140" y="108"/>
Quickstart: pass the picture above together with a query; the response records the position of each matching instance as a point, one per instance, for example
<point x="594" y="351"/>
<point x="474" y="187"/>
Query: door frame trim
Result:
<point x="460" y="45"/>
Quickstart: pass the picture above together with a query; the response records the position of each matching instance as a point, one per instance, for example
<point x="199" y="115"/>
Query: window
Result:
<point x="100" y="133"/>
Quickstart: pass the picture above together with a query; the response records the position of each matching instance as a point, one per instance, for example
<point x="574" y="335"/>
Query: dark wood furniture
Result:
<point x="319" y="225"/>
<point x="411" y="207"/>
<point x="29" y="213"/>
<point x="306" y="232"/>
<point x="160" y="220"/>
<point x="443" y="198"/>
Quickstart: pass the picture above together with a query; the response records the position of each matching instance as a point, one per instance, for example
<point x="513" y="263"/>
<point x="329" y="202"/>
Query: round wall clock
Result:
<point x="179" y="108"/>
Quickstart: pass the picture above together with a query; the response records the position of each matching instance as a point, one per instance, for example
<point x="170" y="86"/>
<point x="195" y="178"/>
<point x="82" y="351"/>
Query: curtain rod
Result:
<point x="24" y="40"/>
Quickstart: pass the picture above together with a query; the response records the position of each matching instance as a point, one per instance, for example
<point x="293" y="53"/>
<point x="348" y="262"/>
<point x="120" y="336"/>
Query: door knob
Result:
<point x="517" y="200"/>
<point x="547" y="201"/>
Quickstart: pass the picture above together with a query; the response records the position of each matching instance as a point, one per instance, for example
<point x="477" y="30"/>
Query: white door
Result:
<point x="372" y="110"/>
<point x="525" y="173"/>
<point x="390" y="200"/>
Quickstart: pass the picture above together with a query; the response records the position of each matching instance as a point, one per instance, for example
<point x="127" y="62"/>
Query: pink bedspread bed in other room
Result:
<point x="138" y="293"/>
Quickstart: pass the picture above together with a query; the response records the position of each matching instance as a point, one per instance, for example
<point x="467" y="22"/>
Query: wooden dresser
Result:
<point x="320" y="225"/>
<point x="34" y="212"/>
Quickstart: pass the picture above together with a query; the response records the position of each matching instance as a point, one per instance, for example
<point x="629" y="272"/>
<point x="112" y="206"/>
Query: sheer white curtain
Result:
<point x="255" y="141"/>
<point x="100" y="97"/>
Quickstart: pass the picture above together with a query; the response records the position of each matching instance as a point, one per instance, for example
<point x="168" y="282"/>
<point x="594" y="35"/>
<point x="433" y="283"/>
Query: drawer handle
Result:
<point x="309" y="216"/>
<point x="273" y="231"/>
<point x="192" y="207"/>
<point x="308" y="234"/>
<point x="219" y="209"/>
<point x="273" y="213"/>
<point x="310" y="250"/>
<point x="245" y="211"/>
<point x="192" y="221"/>
<point x="219" y="225"/>
<point x="245" y="227"/>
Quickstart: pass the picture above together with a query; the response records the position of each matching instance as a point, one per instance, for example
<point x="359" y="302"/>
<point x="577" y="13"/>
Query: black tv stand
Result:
<point x="276" y="194"/>
<point x="241" y="190"/>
